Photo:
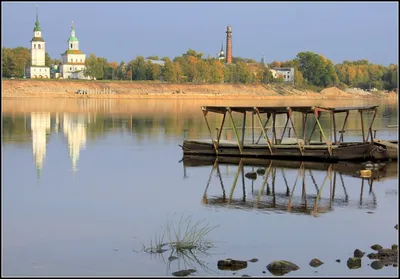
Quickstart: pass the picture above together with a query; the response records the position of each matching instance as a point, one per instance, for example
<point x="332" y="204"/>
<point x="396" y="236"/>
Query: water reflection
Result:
<point x="289" y="186"/>
<point x="74" y="127"/>
<point x="40" y="125"/>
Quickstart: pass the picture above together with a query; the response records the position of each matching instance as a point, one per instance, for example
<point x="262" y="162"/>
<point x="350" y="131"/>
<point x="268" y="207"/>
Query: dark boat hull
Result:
<point x="312" y="152"/>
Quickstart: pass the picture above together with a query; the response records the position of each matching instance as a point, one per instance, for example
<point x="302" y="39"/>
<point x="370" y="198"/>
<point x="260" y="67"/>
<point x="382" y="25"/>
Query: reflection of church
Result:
<point x="74" y="127"/>
<point x="40" y="124"/>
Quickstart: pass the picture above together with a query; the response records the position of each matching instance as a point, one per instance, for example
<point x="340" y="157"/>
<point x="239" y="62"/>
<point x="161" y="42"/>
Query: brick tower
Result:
<point x="228" y="45"/>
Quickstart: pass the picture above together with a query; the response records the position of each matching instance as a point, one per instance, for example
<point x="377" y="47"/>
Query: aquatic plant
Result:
<point x="186" y="241"/>
<point x="189" y="236"/>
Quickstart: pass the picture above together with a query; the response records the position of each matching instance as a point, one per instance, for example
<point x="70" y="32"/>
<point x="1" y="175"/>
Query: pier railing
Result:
<point x="387" y="128"/>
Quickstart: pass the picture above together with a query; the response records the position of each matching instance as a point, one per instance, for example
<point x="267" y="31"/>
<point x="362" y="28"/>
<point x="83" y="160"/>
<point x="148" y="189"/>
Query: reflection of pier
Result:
<point x="74" y="127"/>
<point x="40" y="124"/>
<point x="295" y="187"/>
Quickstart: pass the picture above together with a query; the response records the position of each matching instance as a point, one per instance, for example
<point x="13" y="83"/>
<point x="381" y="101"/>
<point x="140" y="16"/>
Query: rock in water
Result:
<point x="377" y="264"/>
<point x="181" y="273"/>
<point x="253" y="260"/>
<point x="281" y="267"/>
<point x="358" y="253"/>
<point x="354" y="263"/>
<point x="260" y="171"/>
<point x="376" y="247"/>
<point x="230" y="264"/>
<point x="251" y="175"/>
<point x="316" y="262"/>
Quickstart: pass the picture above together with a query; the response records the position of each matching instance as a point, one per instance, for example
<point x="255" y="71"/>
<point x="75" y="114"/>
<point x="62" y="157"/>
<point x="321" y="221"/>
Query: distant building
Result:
<point x="158" y="62"/>
<point x="221" y="54"/>
<point x="73" y="60"/>
<point x="37" y="69"/>
<point x="286" y="73"/>
<point x="228" y="45"/>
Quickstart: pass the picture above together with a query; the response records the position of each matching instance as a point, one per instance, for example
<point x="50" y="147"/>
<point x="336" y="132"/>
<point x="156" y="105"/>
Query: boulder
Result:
<point x="358" y="253"/>
<point x="316" y="262"/>
<point x="251" y="175"/>
<point x="372" y="256"/>
<point x="181" y="273"/>
<point x="376" y="247"/>
<point x="260" y="171"/>
<point x="377" y="264"/>
<point x="281" y="267"/>
<point x="230" y="264"/>
<point x="354" y="263"/>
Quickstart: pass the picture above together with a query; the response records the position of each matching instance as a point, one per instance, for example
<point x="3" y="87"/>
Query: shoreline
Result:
<point x="147" y="90"/>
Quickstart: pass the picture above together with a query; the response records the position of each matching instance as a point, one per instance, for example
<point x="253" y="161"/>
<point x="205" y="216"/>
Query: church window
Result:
<point x="39" y="46"/>
<point x="81" y="60"/>
<point x="70" y="68"/>
<point x="71" y="45"/>
<point x="34" y="45"/>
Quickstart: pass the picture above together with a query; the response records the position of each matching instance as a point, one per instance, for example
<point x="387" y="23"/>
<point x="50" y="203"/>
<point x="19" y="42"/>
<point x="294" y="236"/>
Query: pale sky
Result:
<point x="279" y="30"/>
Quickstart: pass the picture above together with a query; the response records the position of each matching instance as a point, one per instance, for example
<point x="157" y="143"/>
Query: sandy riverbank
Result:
<point x="147" y="90"/>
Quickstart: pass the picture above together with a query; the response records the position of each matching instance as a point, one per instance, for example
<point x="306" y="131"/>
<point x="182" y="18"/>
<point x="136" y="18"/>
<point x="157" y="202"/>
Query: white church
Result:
<point x="73" y="60"/>
<point x="37" y="69"/>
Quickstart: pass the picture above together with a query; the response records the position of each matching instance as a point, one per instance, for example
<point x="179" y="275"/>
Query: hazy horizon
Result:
<point x="120" y="31"/>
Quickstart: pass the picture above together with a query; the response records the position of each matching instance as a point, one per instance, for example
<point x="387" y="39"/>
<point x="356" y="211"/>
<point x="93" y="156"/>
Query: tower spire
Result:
<point x="37" y="27"/>
<point x="222" y="45"/>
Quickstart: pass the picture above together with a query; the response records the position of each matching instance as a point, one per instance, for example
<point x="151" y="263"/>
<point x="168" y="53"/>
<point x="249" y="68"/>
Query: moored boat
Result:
<point x="286" y="147"/>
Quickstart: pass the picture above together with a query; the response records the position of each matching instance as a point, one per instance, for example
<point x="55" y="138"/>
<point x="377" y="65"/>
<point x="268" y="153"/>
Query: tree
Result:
<point x="168" y="70"/>
<point x="139" y="68"/>
<point x="47" y="60"/>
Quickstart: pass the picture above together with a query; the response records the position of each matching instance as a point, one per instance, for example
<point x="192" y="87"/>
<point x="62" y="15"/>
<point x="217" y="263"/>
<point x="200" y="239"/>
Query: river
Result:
<point x="88" y="186"/>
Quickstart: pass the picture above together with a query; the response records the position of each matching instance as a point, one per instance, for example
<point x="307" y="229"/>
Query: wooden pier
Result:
<point x="281" y="147"/>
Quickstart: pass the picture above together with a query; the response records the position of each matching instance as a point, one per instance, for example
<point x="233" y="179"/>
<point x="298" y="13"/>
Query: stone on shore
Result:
<point x="354" y="263"/>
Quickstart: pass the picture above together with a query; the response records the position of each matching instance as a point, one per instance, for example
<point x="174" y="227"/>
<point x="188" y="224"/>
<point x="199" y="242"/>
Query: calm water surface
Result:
<point x="86" y="182"/>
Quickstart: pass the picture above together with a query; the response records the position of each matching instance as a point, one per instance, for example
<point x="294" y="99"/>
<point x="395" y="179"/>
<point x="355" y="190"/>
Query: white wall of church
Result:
<point x="74" y="58"/>
<point x="38" y="72"/>
<point x="38" y="52"/>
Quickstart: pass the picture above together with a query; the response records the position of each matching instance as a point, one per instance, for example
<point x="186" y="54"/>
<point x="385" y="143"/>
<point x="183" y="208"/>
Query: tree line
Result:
<point x="310" y="69"/>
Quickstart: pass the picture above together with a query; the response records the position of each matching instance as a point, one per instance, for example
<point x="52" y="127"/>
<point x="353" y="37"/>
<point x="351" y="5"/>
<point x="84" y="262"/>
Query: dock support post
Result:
<point x="263" y="126"/>
<point x="209" y="129"/>
<point x="252" y="125"/>
<point x="273" y="127"/>
<point x="344" y="124"/>
<point x="362" y="125"/>
<point x="304" y="126"/>
<point x="263" y="130"/>
<point x="315" y="125"/>
<point x="235" y="130"/>
<point x="322" y="131"/>
<point x="294" y="131"/>
<point x="284" y="128"/>
<point x="334" y="127"/>
<point x="370" y="127"/>
<point x="220" y="129"/>
<point x="244" y="128"/>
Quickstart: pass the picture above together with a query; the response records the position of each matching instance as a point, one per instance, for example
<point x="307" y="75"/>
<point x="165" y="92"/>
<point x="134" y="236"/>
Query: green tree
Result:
<point x="168" y="70"/>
